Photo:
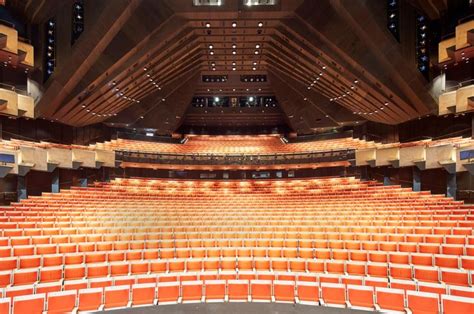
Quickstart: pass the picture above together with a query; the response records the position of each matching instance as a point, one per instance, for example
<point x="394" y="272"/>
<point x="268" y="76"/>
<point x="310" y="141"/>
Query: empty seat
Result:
<point x="33" y="304"/>
<point x="238" y="290"/>
<point x="360" y="297"/>
<point x="454" y="304"/>
<point x="168" y="292"/>
<point x="307" y="292"/>
<point x="284" y="291"/>
<point x="116" y="297"/>
<point x="390" y="299"/>
<point x="333" y="294"/>
<point x="191" y="291"/>
<point x="61" y="301"/>
<point x="143" y="294"/>
<point x="90" y="299"/>
<point x="215" y="290"/>
<point x="423" y="302"/>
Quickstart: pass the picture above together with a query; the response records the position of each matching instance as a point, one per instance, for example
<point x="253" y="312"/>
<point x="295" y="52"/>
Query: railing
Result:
<point x="14" y="88"/>
<point x="235" y="159"/>
<point x="458" y="85"/>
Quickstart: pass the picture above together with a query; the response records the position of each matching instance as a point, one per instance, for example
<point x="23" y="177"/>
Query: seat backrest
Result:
<point x="33" y="304"/>
<point x="390" y="299"/>
<point x="454" y="304"/>
<point x="61" y="301"/>
<point x="419" y="302"/>
<point x="361" y="295"/>
<point x="5" y="305"/>
<point x="90" y="299"/>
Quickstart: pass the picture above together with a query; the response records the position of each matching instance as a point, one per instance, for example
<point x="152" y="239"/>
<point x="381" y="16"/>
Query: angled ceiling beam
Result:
<point x="111" y="21"/>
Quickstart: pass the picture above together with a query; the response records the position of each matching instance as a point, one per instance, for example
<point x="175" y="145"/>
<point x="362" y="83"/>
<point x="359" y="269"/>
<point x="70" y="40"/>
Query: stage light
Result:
<point x="208" y="25"/>
<point x="234" y="52"/>
<point x="211" y="46"/>
<point x="260" y="24"/>
<point x="211" y="52"/>
<point x="256" y="52"/>
<point x="234" y="24"/>
<point x="216" y="99"/>
<point x="257" y="46"/>
<point x="234" y="46"/>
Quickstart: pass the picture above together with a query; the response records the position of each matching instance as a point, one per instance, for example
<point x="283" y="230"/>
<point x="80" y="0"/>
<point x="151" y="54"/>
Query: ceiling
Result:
<point x="138" y="63"/>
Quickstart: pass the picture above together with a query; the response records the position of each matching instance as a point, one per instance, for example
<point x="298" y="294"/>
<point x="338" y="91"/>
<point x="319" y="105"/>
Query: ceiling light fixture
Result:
<point x="234" y="24"/>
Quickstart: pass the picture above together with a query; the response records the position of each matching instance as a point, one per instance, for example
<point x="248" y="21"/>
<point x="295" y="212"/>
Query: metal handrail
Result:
<point x="459" y="85"/>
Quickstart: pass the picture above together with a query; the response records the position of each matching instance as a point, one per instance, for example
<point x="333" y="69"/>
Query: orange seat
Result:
<point x="238" y="290"/>
<point x="33" y="304"/>
<point x="48" y="287"/>
<point x="168" y="292"/>
<point x="455" y="304"/>
<point x="215" y="290"/>
<point x="308" y="292"/>
<point x="61" y="301"/>
<point x="143" y="294"/>
<point x="5" y="305"/>
<point x="90" y="299"/>
<point x="284" y="291"/>
<point x="423" y="302"/>
<point x="191" y="291"/>
<point x="390" y="299"/>
<point x="360" y="297"/>
<point x="116" y="297"/>
<point x="333" y="294"/>
<point x="261" y="290"/>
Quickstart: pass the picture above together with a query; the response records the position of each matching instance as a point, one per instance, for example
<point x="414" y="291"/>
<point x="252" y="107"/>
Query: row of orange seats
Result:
<point x="122" y="293"/>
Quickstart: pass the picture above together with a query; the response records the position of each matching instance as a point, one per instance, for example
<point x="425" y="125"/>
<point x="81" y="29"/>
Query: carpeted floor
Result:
<point x="236" y="308"/>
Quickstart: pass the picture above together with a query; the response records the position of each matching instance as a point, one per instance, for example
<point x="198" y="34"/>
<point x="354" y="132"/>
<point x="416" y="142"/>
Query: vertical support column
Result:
<point x="55" y="181"/>
<point x="364" y="173"/>
<point x="416" y="179"/>
<point x="21" y="190"/>
<point x="451" y="185"/>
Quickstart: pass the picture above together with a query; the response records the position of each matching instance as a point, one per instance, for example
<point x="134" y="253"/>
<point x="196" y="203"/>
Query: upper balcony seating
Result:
<point x="333" y="242"/>
<point x="223" y="145"/>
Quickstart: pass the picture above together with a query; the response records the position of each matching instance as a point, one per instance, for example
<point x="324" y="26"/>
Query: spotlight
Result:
<point x="208" y="24"/>
<point x="216" y="99"/>
<point x="234" y="24"/>
<point x="251" y="98"/>
<point x="257" y="46"/>
<point x="234" y="46"/>
<point x="256" y="52"/>
<point x="255" y="63"/>
<point x="260" y="24"/>
<point x="211" y="52"/>
<point x="254" y="68"/>
<point x="211" y="46"/>
<point x="234" y="52"/>
<point x="233" y="69"/>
